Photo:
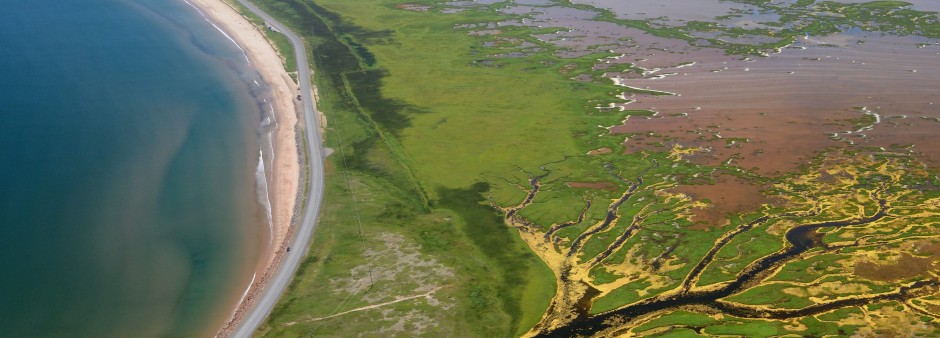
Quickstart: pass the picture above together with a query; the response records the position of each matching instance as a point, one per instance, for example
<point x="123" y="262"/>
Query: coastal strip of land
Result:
<point x="265" y="291"/>
<point x="308" y="217"/>
<point x="264" y="59"/>
<point x="275" y="268"/>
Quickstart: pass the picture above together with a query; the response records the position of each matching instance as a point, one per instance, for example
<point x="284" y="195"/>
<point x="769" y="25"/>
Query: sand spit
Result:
<point x="283" y="183"/>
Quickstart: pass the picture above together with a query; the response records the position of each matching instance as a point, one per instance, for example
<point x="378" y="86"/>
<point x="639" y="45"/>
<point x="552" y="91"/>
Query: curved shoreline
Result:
<point x="315" y="183"/>
<point x="264" y="292"/>
<point x="284" y="180"/>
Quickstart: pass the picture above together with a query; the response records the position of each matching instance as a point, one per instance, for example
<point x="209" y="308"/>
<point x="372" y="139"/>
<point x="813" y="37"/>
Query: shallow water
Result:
<point x="793" y="104"/>
<point x="128" y="148"/>
<point x="769" y="114"/>
<point x="920" y="5"/>
<point x="668" y="11"/>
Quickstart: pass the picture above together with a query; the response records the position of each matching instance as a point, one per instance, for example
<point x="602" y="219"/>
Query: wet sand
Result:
<point x="283" y="181"/>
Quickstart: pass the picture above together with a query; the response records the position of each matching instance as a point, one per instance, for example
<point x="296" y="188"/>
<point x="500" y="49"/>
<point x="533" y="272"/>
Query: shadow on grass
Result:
<point x="484" y="227"/>
<point x="391" y="115"/>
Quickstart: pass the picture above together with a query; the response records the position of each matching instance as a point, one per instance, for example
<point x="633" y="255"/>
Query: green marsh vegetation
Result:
<point x="488" y="287"/>
<point x="439" y="120"/>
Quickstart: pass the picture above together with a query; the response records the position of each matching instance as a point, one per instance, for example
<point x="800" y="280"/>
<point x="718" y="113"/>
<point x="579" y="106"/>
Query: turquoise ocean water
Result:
<point x="128" y="151"/>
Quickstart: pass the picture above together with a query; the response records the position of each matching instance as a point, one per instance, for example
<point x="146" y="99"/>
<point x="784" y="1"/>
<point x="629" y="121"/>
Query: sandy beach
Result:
<point x="283" y="186"/>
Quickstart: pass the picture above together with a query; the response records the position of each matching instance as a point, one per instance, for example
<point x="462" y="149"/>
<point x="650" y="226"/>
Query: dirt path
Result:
<point x="373" y="306"/>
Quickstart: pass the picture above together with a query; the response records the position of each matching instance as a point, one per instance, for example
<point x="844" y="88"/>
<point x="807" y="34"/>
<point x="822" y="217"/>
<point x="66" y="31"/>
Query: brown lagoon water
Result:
<point x="781" y="109"/>
<point x="769" y="113"/>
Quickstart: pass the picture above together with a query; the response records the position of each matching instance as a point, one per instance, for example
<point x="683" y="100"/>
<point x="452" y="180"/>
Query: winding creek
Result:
<point x="801" y="239"/>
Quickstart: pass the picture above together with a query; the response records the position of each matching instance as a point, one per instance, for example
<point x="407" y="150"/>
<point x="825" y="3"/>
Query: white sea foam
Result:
<point x="660" y="76"/>
<point x="263" y="196"/>
<point x="877" y="117"/>
<point x="245" y="294"/>
<point x="266" y="129"/>
<point x="198" y="10"/>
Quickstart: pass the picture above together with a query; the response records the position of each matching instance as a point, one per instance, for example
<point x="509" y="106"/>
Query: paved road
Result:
<point x="285" y="273"/>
